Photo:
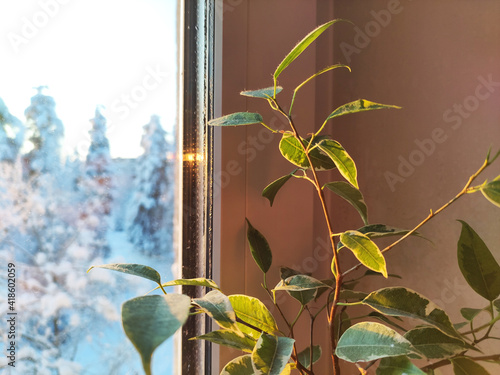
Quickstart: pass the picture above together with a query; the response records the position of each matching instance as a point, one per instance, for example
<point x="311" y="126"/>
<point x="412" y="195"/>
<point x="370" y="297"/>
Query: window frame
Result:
<point x="195" y="211"/>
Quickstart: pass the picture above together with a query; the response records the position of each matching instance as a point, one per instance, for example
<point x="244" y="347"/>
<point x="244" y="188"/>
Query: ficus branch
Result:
<point x="445" y="362"/>
<point x="432" y="214"/>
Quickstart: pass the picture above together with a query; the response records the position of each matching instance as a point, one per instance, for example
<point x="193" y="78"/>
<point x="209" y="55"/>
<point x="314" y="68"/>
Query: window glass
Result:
<point x="87" y="147"/>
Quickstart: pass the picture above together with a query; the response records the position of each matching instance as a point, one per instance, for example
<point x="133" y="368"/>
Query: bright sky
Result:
<point x="117" y="53"/>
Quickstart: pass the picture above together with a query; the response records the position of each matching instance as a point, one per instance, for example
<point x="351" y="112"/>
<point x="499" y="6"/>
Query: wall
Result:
<point x="430" y="57"/>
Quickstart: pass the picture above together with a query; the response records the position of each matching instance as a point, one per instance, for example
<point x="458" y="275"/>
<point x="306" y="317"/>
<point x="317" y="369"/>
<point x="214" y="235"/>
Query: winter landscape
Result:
<point x="59" y="215"/>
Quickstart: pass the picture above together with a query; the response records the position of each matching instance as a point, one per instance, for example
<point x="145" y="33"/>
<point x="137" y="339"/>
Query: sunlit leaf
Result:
<point x="397" y="366"/>
<point x="149" y="320"/>
<point x="367" y="341"/>
<point x="292" y="151"/>
<point x="466" y="366"/>
<point x="365" y="250"/>
<point x="259" y="247"/>
<point x="300" y="283"/>
<point x="272" y="189"/>
<point x="433" y="343"/>
<point x="303" y="288"/>
<point x="360" y="105"/>
<point x="266" y="93"/>
<point x="271" y="354"/>
<point x="301" y="46"/>
<point x="252" y="311"/>
<point x="230" y="339"/>
<point x="239" y="366"/>
<point x="239" y="118"/>
<point x="133" y="269"/>
<point x="398" y="301"/>
<point x="478" y="266"/>
<point x="288" y="369"/>
<point x="219" y="308"/>
<point x="342" y="160"/>
<point x="491" y="191"/>
<point x="350" y="194"/>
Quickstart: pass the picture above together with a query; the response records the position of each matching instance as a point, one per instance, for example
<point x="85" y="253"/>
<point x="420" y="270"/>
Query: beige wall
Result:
<point x="428" y="57"/>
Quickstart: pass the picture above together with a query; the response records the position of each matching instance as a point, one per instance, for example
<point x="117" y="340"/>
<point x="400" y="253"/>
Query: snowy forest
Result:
<point x="61" y="214"/>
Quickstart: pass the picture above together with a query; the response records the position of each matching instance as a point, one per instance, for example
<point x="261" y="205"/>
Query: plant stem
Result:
<point x="338" y="274"/>
<point x="431" y="215"/>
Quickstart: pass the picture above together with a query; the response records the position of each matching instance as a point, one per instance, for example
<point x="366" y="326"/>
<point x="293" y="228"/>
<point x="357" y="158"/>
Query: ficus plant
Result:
<point x="378" y="342"/>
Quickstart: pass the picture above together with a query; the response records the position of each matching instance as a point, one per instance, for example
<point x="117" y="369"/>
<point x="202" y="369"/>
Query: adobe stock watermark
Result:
<point x="363" y="37"/>
<point x="451" y="292"/>
<point x="454" y="116"/>
<point x="249" y="149"/>
<point x="32" y="26"/>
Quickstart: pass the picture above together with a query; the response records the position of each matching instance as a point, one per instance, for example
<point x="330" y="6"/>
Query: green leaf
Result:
<point x="238" y="118"/>
<point x="239" y="366"/>
<point x="398" y="366"/>
<point x="304" y="356"/>
<point x="356" y="106"/>
<point x="201" y="281"/>
<point x="385" y="319"/>
<point x="342" y="160"/>
<point x="497" y="304"/>
<point x="259" y="247"/>
<point x="398" y="301"/>
<point x="301" y="46"/>
<point x="382" y="230"/>
<point x="460" y="325"/>
<point x="299" y="283"/>
<point x="149" y="320"/>
<point x="303" y="288"/>
<point x="350" y="194"/>
<point x="433" y="343"/>
<point x="367" y="341"/>
<point x="470" y="313"/>
<point x="292" y="151"/>
<point x="133" y="269"/>
<point x="230" y="339"/>
<point x="252" y="311"/>
<point x="272" y="189"/>
<point x="491" y="191"/>
<point x="266" y="93"/>
<point x="271" y="354"/>
<point x="466" y="366"/>
<point x="365" y="250"/>
<point x="218" y="307"/>
<point x="286" y="272"/>
<point x="478" y="266"/>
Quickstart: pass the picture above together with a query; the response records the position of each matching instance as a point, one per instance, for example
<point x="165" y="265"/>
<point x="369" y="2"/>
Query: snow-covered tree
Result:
<point x="45" y="133"/>
<point x="11" y="134"/>
<point x="96" y="184"/>
<point x="11" y="139"/>
<point x="151" y="206"/>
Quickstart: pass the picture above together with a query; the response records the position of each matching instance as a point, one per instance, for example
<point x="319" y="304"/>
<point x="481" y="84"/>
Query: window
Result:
<point x="75" y="192"/>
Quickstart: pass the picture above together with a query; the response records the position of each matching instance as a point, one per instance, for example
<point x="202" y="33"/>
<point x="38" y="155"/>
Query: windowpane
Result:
<point x="76" y="193"/>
